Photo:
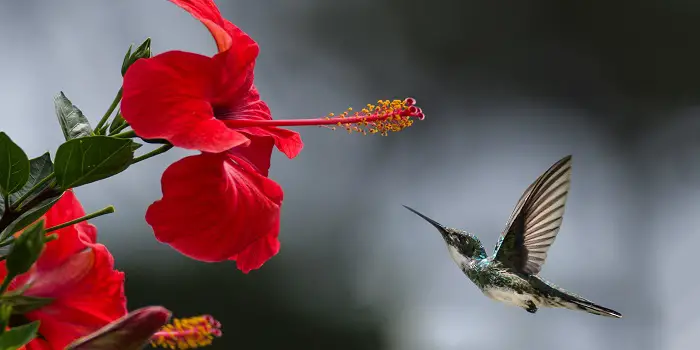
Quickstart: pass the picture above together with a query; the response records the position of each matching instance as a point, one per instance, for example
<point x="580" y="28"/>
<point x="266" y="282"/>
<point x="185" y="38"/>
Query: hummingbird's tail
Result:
<point x="566" y="299"/>
<point x="590" y="307"/>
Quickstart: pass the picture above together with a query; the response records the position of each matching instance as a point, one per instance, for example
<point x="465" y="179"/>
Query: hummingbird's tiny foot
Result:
<point x="531" y="307"/>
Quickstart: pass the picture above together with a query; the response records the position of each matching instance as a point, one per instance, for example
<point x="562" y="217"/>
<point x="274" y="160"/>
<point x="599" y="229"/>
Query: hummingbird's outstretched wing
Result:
<point x="535" y="221"/>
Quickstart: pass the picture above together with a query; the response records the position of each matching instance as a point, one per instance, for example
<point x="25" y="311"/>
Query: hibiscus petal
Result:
<point x="226" y="34"/>
<point x="71" y="239"/>
<point x="207" y="12"/>
<point x="66" y="209"/>
<point x="69" y="242"/>
<point x="169" y="96"/>
<point x="256" y="254"/>
<point x="52" y="281"/>
<point x="246" y="104"/>
<point x="214" y="208"/>
<point x="252" y="107"/>
<point x="287" y="141"/>
<point x="85" y="305"/>
<point x="38" y="344"/>
<point x="257" y="154"/>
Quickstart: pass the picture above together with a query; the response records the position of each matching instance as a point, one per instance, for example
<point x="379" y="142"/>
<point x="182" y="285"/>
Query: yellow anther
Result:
<point x="187" y="333"/>
<point x="384" y="117"/>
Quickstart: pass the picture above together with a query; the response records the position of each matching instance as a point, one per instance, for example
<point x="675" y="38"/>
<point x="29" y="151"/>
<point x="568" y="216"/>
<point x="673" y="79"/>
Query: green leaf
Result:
<point x="5" y="313"/>
<point x="25" y="250"/>
<point x="89" y="159"/>
<point x="16" y="337"/>
<point x="34" y="212"/>
<point x="127" y="58"/>
<point x="14" y="166"/>
<point x="135" y="146"/>
<point x="21" y="304"/>
<point x="39" y="169"/>
<point x="73" y="122"/>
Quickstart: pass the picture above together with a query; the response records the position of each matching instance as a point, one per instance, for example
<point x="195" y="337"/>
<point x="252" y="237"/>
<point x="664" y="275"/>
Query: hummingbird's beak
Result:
<point x="437" y="225"/>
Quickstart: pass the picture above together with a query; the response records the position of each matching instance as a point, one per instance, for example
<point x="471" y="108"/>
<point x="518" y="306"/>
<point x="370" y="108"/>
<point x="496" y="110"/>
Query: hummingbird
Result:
<point x="511" y="274"/>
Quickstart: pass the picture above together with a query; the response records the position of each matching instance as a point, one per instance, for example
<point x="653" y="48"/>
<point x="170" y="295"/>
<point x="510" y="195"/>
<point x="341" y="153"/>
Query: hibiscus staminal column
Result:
<point x="187" y="333"/>
<point x="384" y="117"/>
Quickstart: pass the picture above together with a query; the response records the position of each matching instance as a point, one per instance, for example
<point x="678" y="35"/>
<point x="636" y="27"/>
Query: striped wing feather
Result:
<point x="535" y="221"/>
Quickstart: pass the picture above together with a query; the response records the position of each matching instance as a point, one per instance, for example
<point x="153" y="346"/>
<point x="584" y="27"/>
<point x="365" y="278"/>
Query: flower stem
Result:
<point x="104" y="211"/>
<point x="24" y="197"/>
<point x="155" y="152"/>
<point x="126" y="135"/>
<point x="110" y="110"/>
<point x="120" y="128"/>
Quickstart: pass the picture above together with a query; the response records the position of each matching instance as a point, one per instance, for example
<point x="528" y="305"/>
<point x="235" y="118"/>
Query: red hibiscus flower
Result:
<point x="78" y="274"/>
<point x="220" y="204"/>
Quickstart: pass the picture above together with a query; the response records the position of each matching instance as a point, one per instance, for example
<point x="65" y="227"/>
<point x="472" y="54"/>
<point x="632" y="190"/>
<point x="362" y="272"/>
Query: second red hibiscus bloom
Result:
<point x="77" y="275"/>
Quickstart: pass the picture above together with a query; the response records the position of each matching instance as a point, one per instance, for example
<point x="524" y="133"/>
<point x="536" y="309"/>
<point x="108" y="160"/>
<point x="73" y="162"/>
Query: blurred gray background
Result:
<point x="508" y="89"/>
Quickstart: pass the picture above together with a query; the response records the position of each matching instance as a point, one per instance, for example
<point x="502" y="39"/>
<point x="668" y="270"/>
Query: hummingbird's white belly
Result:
<point x="509" y="296"/>
<point x="458" y="258"/>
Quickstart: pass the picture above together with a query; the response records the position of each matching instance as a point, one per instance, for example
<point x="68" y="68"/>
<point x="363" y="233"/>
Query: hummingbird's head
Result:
<point x="466" y="244"/>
